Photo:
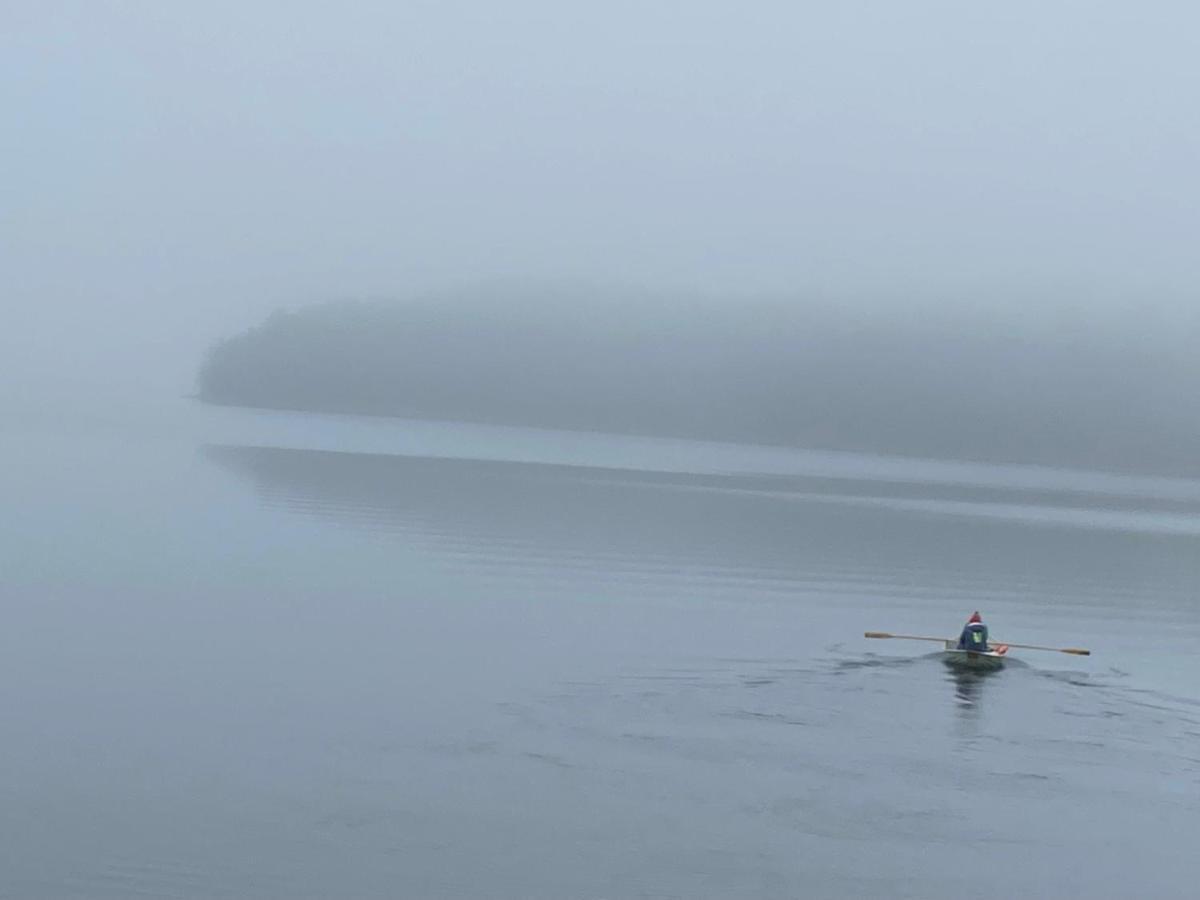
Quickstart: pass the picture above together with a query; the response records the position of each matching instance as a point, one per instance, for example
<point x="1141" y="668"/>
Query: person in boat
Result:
<point x="974" y="635"/>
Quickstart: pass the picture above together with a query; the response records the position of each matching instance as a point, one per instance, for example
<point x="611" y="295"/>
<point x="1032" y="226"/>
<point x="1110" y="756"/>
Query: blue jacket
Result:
<point x="974" y="637"/>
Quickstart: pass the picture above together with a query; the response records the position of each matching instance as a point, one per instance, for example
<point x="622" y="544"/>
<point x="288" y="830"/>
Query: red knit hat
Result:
<point x="974" y="618"/>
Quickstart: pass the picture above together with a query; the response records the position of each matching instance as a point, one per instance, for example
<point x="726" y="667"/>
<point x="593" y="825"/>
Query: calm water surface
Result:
<point x="266" y="655"/>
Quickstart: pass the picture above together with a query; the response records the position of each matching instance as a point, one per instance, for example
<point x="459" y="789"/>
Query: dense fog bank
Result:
<point x="1067" y="386"/>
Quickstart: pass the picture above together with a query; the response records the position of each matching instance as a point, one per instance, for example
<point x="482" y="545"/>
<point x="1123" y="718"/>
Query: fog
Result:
<point x="173" y="172"/>
<point x="1086" y="391"/>
<point x="584" y="381"/>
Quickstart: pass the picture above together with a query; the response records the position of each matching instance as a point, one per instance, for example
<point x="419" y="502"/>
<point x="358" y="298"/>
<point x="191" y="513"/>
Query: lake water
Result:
<point x="263" y="655"/>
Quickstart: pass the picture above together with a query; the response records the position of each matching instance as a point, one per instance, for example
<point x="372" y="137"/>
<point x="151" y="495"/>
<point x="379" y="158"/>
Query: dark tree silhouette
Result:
<point x="1068" y="389"/>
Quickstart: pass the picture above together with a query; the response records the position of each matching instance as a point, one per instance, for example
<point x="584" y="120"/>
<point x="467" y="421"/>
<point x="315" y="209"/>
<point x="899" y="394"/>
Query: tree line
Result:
<point x="1068" y="387"/>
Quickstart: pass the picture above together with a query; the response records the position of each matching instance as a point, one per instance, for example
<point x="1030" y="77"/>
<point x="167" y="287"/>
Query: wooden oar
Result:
<point x="1076" y="651"/>
<point x="903" y="637"/>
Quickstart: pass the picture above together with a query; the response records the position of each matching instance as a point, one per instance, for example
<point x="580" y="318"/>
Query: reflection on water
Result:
<point x="540" y="522"/>
<point x="969" y="685"/>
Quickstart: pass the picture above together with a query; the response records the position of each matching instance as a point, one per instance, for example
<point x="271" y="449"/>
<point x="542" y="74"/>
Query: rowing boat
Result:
<point x="988" y="659"/>
<point x="993" y="657"/>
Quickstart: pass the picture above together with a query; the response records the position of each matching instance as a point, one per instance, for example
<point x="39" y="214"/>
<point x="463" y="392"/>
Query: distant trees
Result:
<point x="1063" y="389"/>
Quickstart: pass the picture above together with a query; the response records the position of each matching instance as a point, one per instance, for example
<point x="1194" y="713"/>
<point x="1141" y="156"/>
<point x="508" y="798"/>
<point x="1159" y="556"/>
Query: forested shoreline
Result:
<point x="1068" y="388"/>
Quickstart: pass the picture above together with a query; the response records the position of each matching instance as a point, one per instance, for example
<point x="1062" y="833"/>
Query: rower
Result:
<point x="974" y="635"/>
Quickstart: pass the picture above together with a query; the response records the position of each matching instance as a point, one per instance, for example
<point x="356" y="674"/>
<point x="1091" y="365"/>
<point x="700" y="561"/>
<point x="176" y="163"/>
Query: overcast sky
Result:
<point x="173" y="170"/>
